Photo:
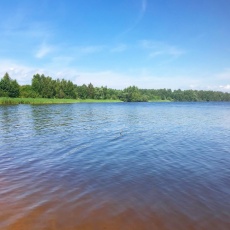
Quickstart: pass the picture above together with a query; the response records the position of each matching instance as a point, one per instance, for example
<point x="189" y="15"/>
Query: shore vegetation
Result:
<point x="46" y="90"/>
<point x="41" y="101"/>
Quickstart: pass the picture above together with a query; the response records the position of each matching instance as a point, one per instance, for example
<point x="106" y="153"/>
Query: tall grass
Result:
<point x="40" y="101"/>
<point x="158" y="100"/>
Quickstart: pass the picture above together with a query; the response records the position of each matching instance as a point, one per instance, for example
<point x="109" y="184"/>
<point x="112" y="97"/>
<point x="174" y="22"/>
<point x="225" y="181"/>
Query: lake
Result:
<point x="115" y="166"/>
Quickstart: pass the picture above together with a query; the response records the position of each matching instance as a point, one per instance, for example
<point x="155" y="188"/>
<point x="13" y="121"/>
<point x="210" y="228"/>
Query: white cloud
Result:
<point x="225" y="87"/>
<point x="156" y="48"/>
<point x="143" y="78"/>
<point x="44" y="50"/>
<point x="22" y="73"/>
<point x="104" y="78"/>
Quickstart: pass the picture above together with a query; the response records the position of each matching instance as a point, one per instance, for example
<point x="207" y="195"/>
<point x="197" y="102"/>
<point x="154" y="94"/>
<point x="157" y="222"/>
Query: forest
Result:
<point x="45" y="87"/>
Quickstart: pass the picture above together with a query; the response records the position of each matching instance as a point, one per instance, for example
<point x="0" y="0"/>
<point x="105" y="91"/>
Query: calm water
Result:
<point x="115" y="166"/>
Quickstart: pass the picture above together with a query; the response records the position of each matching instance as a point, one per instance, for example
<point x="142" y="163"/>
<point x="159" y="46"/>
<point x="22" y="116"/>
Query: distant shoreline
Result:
<point x="42" y="88"/>
<point x="43" y="101"/>
<point x="47" y="101"/>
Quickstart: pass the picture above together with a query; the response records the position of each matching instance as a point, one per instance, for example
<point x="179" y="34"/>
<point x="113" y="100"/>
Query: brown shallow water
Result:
<point x="115" y="166"/>
<point x="40" y="211"/>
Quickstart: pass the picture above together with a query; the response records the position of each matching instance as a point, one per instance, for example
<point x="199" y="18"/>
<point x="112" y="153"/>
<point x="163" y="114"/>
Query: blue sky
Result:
<point x="148" y="43"/>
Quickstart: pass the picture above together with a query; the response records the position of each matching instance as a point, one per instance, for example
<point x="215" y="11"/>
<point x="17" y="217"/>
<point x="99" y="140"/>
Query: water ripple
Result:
<point x="115" y="166"/>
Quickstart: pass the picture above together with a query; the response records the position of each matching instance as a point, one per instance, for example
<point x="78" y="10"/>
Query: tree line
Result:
<point x="45" y="87"/>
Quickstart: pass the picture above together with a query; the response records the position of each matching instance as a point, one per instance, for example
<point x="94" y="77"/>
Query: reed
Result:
<point x="40" y="101"/>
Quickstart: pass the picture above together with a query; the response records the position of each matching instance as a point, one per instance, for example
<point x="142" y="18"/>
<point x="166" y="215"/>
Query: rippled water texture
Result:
<point x="115" y="166"/>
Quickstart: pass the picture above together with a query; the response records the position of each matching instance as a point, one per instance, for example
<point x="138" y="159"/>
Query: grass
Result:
<point x="41" y="101"/>
<point x="160" y="101"/>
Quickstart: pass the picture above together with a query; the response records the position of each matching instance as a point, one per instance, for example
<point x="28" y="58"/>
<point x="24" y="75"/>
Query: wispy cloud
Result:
<point x="119" y="48"/>
<point x="16" y="24"/>
<point x="61" y="60"/>
<point x="44" y="50"/>
<point x="90" y="49"/>
<point x="143" y="7"/>
<point x="224" y="75"/>
<point x="156" y="48"/>
<point x="141" y="14"/>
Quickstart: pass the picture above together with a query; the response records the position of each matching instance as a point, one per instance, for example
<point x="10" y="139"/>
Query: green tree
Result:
<point x="82" y="91"/>
<point x="131" y="94"/>
<point x="9" y="87"/>
<point x="90" y="91"/>
<point x="26" y="91"/>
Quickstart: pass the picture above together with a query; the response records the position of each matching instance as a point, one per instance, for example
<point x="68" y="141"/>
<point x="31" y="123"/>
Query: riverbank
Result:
<point x="159" y="101"/>
<point x="39" y="101"/>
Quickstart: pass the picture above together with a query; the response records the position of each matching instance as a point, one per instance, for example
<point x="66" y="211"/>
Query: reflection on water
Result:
<point x="115" y="166"/>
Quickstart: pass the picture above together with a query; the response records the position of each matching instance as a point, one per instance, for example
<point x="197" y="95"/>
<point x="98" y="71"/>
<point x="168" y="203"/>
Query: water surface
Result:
<point x="115" y="166"/>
